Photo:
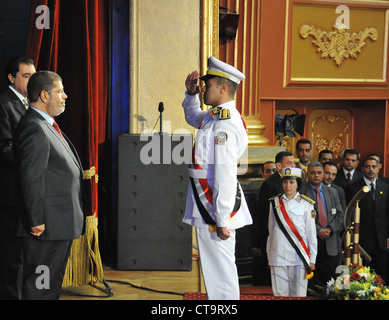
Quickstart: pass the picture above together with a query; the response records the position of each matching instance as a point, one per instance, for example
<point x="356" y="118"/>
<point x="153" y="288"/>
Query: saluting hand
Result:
<point x="191" y="83"/>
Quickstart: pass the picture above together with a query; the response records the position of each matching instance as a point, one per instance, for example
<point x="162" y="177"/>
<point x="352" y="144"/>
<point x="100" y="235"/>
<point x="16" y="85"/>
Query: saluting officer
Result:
<point x="216" y="205"/>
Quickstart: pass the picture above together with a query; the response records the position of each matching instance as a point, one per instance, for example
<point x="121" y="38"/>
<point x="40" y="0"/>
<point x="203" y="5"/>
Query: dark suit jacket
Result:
<point x="342" y="196"/>
<point x="11" y="110"/>
<point x="341" y="179"/>
<point x="335" y="216"/>
<point x="51" y="179"/>
<point x="374" y="229"/>
<point x="270" y="188"/>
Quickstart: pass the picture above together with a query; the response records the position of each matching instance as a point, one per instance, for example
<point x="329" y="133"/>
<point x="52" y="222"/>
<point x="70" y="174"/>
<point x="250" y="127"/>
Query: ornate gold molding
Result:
<point x="339" y="44"/>
<point x="331" y="131"/>
<point x="209" y="31"/>
<point x="209" y="35"/>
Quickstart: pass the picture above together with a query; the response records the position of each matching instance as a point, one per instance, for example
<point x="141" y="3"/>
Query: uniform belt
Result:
<point x="200" y="174"/>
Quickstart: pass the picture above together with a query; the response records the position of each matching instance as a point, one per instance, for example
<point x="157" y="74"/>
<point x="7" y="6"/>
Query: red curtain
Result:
<point x="75" y="45"/>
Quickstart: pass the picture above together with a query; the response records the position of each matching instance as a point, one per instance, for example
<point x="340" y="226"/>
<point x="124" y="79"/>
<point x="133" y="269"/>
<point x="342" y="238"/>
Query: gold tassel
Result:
<point x="84" y="264"/>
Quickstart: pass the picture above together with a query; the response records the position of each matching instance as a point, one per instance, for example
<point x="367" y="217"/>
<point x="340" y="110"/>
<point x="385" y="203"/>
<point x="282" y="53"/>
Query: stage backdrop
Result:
<point x="72" y="40"/>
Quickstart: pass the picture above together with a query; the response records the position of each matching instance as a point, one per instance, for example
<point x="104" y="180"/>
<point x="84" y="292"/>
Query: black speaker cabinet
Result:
<point x="152" y="188"/>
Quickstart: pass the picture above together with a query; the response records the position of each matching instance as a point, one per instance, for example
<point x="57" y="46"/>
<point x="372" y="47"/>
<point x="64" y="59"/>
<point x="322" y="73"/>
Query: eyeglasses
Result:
<point x="61" y="92"/>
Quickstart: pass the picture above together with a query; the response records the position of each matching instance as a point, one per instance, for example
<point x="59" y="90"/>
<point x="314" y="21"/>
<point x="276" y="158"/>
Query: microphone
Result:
<point x="160" y="109"/>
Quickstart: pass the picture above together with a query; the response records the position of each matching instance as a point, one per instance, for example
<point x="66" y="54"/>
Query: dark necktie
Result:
<point x="372" y="190"/>
<point x="320" y="207"/>
<point x="348" y="177"/>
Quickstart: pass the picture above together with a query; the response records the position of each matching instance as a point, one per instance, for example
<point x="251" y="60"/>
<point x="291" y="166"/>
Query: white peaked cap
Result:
<point x="217" y="68"/>
<point x="291" y="172"/>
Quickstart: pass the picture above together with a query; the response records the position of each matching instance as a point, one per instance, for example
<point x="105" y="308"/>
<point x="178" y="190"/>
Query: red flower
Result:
<point x="355" y="276"/>
<point x="379" y="280"/>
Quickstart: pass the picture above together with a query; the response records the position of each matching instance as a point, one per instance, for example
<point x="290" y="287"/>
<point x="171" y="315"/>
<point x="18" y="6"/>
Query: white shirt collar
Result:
<point x="368" y="182"/>
<point x="295" y="197"/>
<point x="18" y="94"/>
<point x="351" y="172"/>
<point x="44" y="115"/>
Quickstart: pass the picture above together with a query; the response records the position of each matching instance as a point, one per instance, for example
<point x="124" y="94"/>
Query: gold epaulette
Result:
<point x="224" y="114"/>
<point x="214" y="111"/>
<point x="278" y="195"/>
<point x="307" y="198"/>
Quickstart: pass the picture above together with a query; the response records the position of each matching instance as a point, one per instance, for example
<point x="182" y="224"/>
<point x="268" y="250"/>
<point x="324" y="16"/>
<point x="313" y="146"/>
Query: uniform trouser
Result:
<point x="289" y="281"/>
<point x="218" y="266"/>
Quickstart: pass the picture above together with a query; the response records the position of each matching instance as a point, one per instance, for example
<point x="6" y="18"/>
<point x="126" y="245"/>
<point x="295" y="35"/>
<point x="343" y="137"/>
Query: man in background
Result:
<point x="13" y="105"/>
<point x="329" y="223"/>
<point x="378" y="158"/>
<point x="330" y="172"/>
<point x="304" y="153"/>
<point x="269" y="167"/>
<point x="326" y="156"/>
<point x="348" y="173"/>
<point x="374" y="215"/>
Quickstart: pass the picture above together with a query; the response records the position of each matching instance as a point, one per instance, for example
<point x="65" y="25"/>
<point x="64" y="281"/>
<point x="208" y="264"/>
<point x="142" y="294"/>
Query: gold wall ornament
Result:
<point x="339" y="44"/>
<point x="330" y="129"/>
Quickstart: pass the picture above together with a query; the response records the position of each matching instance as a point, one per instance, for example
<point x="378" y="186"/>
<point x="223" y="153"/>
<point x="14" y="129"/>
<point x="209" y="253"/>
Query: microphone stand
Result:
<point x="160" y="109"/>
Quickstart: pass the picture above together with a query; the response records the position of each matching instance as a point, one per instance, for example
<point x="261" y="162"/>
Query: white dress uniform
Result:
<point x="288" y="273"/>
<point x="219" y="143"/>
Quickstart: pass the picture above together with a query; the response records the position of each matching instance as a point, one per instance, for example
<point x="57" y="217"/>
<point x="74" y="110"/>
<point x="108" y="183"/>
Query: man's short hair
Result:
<point x="351" y="151"/>
<point x="315" y="164"/>
<point x="13" y="65"/>
<point x="370" y="158"/>
<point x="303" y="141"/>
<point x="325" y="151"/>
<point x="330" y="163"/>
<point x="40" y="81"/>
<point x="232" y="86"/>
<point x="372" y="155"/>
<point x="281" y="155"/>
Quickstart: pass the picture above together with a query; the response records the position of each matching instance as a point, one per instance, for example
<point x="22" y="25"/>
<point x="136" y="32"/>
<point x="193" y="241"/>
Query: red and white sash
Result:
<point x="290" y="232"/>
<point x="204" y="196"/>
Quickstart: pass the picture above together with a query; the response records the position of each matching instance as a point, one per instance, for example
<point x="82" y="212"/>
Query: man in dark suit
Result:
<point x="270" y="187"/>
<point x="374" y="209"/>
<point x="13" y="105"/>
<point x="329" y="223"/>
<point x="304" y="152"/>
<point x="378" y="158"/>
<point x="330" y="172"/>
<point x="51" y="187"/>
<point x="348" y="173"/>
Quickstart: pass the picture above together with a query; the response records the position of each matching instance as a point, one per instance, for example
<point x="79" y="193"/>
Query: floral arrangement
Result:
<point x="354" y="283"/>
